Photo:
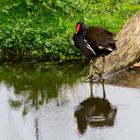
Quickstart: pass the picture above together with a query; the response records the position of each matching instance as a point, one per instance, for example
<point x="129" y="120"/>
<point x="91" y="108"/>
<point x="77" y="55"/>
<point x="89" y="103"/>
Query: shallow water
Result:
<point x="47" y="102"/>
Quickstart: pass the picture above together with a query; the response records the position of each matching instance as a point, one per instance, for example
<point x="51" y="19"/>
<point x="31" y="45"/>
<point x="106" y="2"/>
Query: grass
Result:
<point x="43" y="29"/>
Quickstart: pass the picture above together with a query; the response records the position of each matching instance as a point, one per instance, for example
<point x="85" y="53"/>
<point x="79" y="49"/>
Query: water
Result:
<point x="47" y="102"/>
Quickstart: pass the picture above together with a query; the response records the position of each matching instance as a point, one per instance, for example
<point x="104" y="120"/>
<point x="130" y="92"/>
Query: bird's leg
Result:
<point x="103" y="67"/>
<point x="90" y="70"/>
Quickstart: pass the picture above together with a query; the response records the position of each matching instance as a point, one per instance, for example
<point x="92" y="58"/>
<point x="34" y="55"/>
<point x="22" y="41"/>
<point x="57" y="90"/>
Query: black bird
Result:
<point x="94" y="42"/>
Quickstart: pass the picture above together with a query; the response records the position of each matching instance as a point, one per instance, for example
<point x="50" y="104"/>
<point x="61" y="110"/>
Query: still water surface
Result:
<point x="47" y="102"/>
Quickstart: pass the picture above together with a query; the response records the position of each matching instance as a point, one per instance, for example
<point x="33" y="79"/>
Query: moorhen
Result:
<point x="94" y="42"/>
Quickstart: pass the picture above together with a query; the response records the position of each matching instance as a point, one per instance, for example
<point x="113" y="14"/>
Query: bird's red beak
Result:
<point x="77" y="28"/>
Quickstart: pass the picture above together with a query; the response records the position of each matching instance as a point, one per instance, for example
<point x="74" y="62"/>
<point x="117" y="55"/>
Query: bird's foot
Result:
<point x="96" y="68"/>
<point x="95" y="79"/>
<point x="89" y="77"/>
<point x="100" y="73"/>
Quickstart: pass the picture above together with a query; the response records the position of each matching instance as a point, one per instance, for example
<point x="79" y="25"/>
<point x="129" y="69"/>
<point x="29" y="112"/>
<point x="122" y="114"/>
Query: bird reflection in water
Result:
<point x="95" y="111"/>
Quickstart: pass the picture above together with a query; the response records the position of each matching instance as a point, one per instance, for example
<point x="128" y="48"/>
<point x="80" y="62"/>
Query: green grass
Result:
<point x="43" y="29"/>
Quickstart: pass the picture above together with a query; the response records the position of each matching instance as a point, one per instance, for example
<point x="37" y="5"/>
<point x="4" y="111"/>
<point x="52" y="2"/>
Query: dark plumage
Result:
<point x="93" y="41"/>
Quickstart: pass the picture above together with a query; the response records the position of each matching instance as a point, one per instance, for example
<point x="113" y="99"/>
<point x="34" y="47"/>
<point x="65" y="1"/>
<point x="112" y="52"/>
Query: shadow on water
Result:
<point x="95" y="111"/>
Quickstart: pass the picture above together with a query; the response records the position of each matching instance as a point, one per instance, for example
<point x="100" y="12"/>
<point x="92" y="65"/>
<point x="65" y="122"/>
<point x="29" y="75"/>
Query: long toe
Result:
<point x="89" y="77"/>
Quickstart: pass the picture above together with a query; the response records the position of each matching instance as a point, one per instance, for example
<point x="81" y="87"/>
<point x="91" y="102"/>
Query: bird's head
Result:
<point x="80" y="27"/>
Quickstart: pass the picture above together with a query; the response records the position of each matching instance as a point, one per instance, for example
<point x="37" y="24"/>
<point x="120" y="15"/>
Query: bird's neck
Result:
<point x="82" y="33"/>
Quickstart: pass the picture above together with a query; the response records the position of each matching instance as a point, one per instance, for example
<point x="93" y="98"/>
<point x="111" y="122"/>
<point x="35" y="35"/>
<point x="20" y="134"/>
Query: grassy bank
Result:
<point x="43" y="29"/>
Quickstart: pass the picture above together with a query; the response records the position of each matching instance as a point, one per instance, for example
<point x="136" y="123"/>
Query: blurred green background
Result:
<point x="43" y="29"/>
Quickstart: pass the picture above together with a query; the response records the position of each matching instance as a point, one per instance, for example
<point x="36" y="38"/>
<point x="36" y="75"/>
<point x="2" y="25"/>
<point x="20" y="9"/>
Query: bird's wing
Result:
<point x="89" y="47"/>
<point x="97" y="33"/>
<point x="100" y="37"/>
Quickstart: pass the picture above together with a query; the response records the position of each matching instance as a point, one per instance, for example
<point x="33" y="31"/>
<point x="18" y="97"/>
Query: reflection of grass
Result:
<point x="25" y="111"/>
<point x="15" y="103"/>
<point x="37" y="83"/>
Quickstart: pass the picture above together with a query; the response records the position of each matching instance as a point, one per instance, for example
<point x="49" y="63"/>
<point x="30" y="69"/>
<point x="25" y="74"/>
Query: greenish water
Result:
<point x="38" y="82"/>
<point x="51" y="102"/>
